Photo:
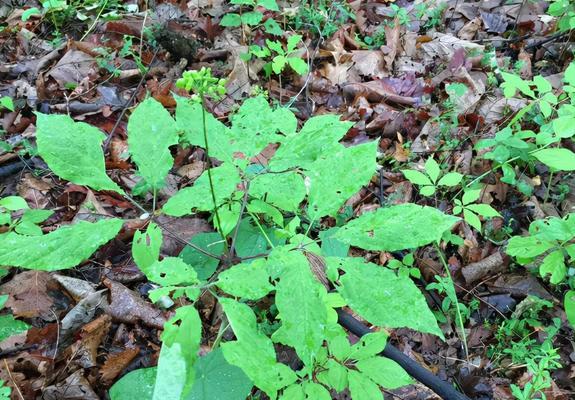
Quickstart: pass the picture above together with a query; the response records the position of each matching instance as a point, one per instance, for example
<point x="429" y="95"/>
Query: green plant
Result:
<point x="472" y="211"/>
<point x="266" y="220"/>
<point x="280" y="58"/>
<point x="430" y="181"/>
<point x="431" y="13"/>
<point x="255" y="17"/>
<point x="565" y="11"/>
<point x="27" y="222"/>
<point x="322" y="18"/>
<point x="7" y="103"/>
<point x="4" y="391"/>
<point x="405" y="267"/>
<point x="9" y="326"/>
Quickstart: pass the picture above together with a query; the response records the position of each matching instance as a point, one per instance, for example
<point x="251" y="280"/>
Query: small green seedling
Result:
<point x="255" y="17"/>
<point x="471" y="210"/>
<point x="430" y="181"/>
<point x="7" y="103"/>
<point x="279" y="57"/>
<point x="27" y="222"/>
<point x="405" y="267"/>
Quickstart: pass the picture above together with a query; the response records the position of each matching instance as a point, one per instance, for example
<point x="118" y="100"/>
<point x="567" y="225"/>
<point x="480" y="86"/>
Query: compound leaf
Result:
<point x="405" y="226"/>
<point x="63" y="248"/>
<point x="73" y="150"/>
<point x="254" y="352"/>
<point x="151" y="132"/>
<point x="247" y="280"/>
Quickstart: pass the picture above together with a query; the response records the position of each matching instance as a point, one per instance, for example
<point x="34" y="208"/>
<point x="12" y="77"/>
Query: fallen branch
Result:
<point x="442" y="388"/>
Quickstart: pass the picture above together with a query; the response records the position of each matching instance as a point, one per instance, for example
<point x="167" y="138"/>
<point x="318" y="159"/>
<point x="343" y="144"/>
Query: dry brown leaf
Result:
<point x="116" y="363"/>
<point x="74" y="66"/>
<point x="29" y="296"/>
<point x="74" y="387"/>
<point x="469" y="29"/>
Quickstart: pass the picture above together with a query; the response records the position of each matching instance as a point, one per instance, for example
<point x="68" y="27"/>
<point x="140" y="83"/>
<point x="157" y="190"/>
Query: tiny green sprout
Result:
<point x="429" y="182"/>
<point x="202" y="84"/>
<point x="471" y="210"/>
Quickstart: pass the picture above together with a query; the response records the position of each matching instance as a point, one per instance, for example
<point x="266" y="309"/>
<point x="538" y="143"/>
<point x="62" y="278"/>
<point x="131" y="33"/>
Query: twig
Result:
<point x="13" y="380"/>
<point x="237" y="228"/>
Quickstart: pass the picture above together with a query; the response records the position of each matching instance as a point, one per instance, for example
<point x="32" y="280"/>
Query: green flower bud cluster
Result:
<point x="202" y="83"/>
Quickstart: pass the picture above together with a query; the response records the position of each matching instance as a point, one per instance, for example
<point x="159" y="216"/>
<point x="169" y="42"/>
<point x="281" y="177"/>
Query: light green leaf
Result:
<point x="254" y="352"/>
<point x="471" y="196"/>
<point x="272" y="27"/>
<point x="564" y="127"/>
<point x="339" y="347"/>
<point x="450" y="179"/>
<point x="36" y="216"/>
<point x="554" y="264"/>
<point x="383" y="298"/>
<point x="427" y="191"/>
<point x="151" y="132"/>
<point x="13" y="203"/>
<point x="278" y="64"/>
<point x="485" y="210"/>
<point x="30" y="12"/>
<point x="292" y="42"/>
<point x="385" y="372"/>
<point x="181" y="341"/>
<point x="249" y="281"/>
<point x="73" y="150"/>
<point x="330" y="246"/>
<point x="570" y="307"/>
<point x="261" y="207"/>
<point x="298" y="65"/>
<point x="301" y="306"/>
<point x="527" y="247"/>
<point x="293" y="392"/>
<point x="472" y="219"/>
<point x="28" y="228"/>
<point x="231" y="19"/>
<point x="569" y="76"/>
<point x="432" y="169"/>
<point x="227" y="218"/>
<point x="363" y="388"/>
<point x="198" y="197"/>
<point x="252" y="17"/>
<point x="558" y="159"/>
<point x="338" y="176"/>
<point x="315" y="391"/>
<point x="146" y="246"/>
<point x="204" y="265"/>
<point x="368" y="346"/>
<point x="218" y="380"/>
<point x="542" y="84"/>
<point x="334" y="375"/>
<point x="171" y="271"/>
<point x="285" y="190"/>
<point x="269" y="4"/>
<point x="318" y="138"/>
<point x="63" y="248"/>
<point x="416" y="177"/>
<point x="405" y="226"/>
<point x="135" y="385"/>
<point x="10" y="327"/>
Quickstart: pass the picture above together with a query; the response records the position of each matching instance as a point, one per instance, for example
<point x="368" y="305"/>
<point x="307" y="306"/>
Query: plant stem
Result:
<point x="548" y="187"/>
<point x="456" y="303"/>
<point x="261" y="229"/>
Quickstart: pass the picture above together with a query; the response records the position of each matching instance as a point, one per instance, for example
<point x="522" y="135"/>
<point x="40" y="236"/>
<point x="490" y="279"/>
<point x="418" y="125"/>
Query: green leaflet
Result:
<point x="383" y="298"/>
<point x="285" y="190"/>
<point x="385" y="372"/>
<point x="363" y="388"/>
<point x="249" y="281"/>
<point x="254" y="352"/>
<point x="334" y="375"/>
<point x="73" y="150"/>
<point x="335" y="177"/>
<point x="63" y="248"/>
<point x="302" y="310"/>
<point x="135" y="385"/>
<point x="204" y="265"/>
<point x="8" y="325"/>
<point x="198" y="197"/>
<point x="319" y="136"/>
<point x="151" y="132"/>
<point x="405" y="226"/>
<point x="218" y="380"/>
<point x="146" y="246"/>
<point x="171" y="271"/>
<point x="181" y="342"/>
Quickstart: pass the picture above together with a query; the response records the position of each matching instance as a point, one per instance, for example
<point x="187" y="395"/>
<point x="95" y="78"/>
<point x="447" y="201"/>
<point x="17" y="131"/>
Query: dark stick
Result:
<point x="442" y="388"/>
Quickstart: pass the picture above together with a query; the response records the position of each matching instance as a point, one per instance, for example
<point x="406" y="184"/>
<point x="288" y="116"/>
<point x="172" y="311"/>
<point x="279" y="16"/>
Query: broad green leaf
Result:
<point x="542" y="84"/>
<point x="292" y="42"/>
<point x="73" y="150"/>
<point x="432" y="169"/>
<point x="339" y="347"/>
<point x="427" y="191"/>
<point x="151" y="132"/>
<point x="485" y="210"/>
<point x="13" y="203"/>
<point x="278" y="64"/>
<point x="334" y="375"/>
<point x="383" y="298"/>
<point x="272" y="27"/>
<point x="298" y="65"/>
<point x="181" y="342"/>
<point x="135" y="385"/>
<point x="569" y="76"/>
<point x="368" y="346"/>
<point x="254" y="352"/>
<point x="249" y="281"/>
<point x="146" y="246"/>
<point x="171" y="271"/>
<point x="554" y="264"/>
<point x="558" y="159"/>
<point x="231" y="19"/>
<point x="363" y="388"/>
<point x="527" y="247"/>
<point x="276" y="46"/>
<point x="36" y="216"/>
<point x="30" y="12"/>
<point x="405" y="226"/>
<point x="218" y="380"/>
<point x="318" y="137"/>
<point x="198" y="197"/>
<point x="10" y="327"/>
<point x="385" y="372"/>
<point x="564" y="127"/>
<point x="570" y="307"/>
<point x="285" y="190"/>
<point x="227" y="218"/>
<point x="204" y="265"/>
<point x="28" y="228"/>
<point x="338" y="176"/>
<point x="450" y="179"/>
<point x="63" y="248"/>
<point x="6" y="101"/>
<point x="293" y="392"/>
<point x="315" y="391"/>
<point x="251" y="240"/>
<point x="269" y="4"/>
<point x="416" y="177"/>
<point x="302" y="310"/>
<point x="330" y="246"/>
<point x="252" y="17"/>
<point x="472" y="219"/>
<point x="471" y="196"/>
<point x="261" y="207"/>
